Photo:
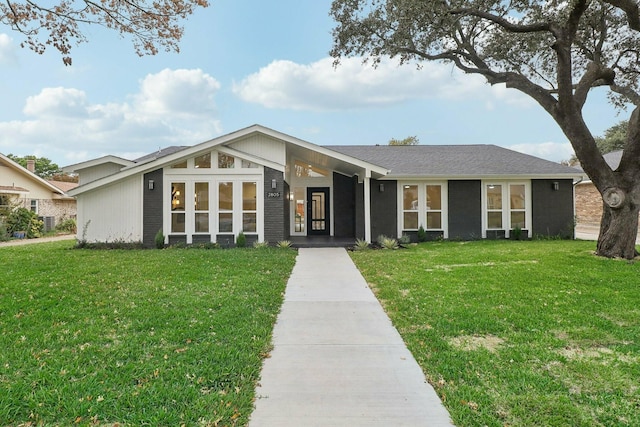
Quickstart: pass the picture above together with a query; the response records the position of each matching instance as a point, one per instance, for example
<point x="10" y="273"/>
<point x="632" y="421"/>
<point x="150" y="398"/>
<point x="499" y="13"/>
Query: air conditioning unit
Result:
<point x="49" y="222"/>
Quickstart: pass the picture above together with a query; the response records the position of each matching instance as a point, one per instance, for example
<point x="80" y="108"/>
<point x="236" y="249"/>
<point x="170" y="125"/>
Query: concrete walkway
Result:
<point x="337" y="359"/>
<point x="17" y="242"/>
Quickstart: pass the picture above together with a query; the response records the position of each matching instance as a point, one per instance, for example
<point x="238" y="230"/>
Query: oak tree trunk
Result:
<point x="618" y="231"/>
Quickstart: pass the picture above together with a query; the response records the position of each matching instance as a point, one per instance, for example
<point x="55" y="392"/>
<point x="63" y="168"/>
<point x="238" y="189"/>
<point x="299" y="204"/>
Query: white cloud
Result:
<point x="172" y="107"/>
<point x="554" y="151"/>
<point x="322" y="87"/>
<point x="7" y="50"/>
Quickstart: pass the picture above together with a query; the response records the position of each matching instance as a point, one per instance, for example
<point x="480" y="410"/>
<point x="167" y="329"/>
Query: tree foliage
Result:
<point x="44" y="168"/>
<point x="556" y="52"/>
<point x="613" y="139"/>
<point x="150" y="25"/>
<point x="410" y="140"/>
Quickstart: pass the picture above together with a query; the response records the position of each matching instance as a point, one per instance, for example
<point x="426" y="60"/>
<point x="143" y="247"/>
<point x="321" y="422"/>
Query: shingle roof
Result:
<point x="160" y="153"/>
<point x="453" y="160"/>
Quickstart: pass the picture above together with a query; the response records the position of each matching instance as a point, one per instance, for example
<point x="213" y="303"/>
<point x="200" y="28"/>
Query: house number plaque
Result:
<point x="273" y="195"/>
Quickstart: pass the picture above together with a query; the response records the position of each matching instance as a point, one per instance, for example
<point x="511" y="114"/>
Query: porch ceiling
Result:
<point x="333" y="160"/>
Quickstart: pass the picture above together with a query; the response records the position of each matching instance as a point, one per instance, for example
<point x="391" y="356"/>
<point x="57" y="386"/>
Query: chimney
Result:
<point x="31" y="165"/>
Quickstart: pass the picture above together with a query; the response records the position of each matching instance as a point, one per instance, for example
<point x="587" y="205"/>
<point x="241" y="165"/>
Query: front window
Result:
<point x="305" y="170"/>
<point x="494" y="206"/>
<point x="201" y="207"/>
<point x="249" y="207"/>
<point x="202" y="162"/>
<point x="298" y="197"/>
<point x="225" y="207"/>
<point x="34" y="205"/>
<point x="517" y="206"/>
<point x="434" y="207"/>
<point x="410" y="207"/>
<point x="177" y="207"/>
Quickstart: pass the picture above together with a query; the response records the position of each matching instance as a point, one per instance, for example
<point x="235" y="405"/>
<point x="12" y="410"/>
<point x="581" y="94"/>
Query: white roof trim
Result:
<point x="97" y="162"/>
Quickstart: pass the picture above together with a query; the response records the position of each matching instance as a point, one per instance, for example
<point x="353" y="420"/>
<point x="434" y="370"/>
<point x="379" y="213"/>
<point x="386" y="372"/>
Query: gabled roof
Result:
<point x="95" y="162"/>
<point x="456" y="161"/>
<point x="173" y="154"/>
<point x="32" y="176"/>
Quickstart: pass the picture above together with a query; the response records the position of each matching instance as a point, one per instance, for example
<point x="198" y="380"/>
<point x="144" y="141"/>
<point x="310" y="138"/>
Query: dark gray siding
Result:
<point x="552" y="210"/>
<point x="151" y="208"/>
<point x="275" y="214"/>
<point x="344" y="208"/>
<point x="465" y="210"/>
<point x="384" y="209"/>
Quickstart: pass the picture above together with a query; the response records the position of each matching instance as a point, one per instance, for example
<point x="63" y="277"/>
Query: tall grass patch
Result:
<point x="135" y="337"/>
<point x="518" y="333"/>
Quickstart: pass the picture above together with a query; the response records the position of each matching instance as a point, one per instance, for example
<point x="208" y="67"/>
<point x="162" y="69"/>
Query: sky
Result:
<point x="244" y="62"/>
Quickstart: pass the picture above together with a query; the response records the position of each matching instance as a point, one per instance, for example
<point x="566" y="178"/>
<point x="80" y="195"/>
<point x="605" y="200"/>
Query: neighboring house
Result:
<point x="22" y="187"/>
<point x="272" y="186"/>
<point x="588" y="198"/>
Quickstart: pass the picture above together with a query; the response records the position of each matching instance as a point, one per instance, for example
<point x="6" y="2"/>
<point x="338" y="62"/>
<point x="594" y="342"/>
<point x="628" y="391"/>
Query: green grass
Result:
<point x="518" y="333"/>
<point x="135" y="337"/>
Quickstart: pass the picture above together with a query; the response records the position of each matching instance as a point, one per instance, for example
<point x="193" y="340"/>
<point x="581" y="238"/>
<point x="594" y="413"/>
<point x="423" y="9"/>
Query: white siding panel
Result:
<point x="114" y="212"/>
<point x="262" y="146"/>
<point x="97" y="172"/>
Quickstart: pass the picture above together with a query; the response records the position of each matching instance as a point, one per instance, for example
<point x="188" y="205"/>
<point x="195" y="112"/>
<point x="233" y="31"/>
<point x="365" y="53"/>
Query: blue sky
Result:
<point x="245" y="62"/>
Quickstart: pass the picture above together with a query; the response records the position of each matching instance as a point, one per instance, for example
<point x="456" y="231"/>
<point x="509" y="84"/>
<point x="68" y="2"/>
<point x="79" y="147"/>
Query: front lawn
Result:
<point x="135" y="337"/>
<point x="538" y="333"/>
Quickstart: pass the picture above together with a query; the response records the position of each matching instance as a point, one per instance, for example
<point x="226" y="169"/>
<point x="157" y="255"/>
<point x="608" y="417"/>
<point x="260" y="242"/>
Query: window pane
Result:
<point x="434" y="197"/>
<point x="246" y="164"/>
<point x="177" y="222"/>
<point x="494" y="220"/>
<point x="517" y="196"/>
<point x="304" y="170"/>
<point x="225" y="223"/>
<point x="202" y="196"/>
<point x="410" y="197"/>
<point x="225" y="196"/>
<point x="202" y="223"/>
<point x="177" y="196"/>
<point x="180" y="165"/>
<point x="517" y="219"/>
<point x="203" y="161"/>
<point x="494" y="197"/>
<point x="249" y="196"/>
<point x="410" y="221"/>
<point x="225" y="161"/>
<point x="434" y="220"/>
<point x="249" y="222"/>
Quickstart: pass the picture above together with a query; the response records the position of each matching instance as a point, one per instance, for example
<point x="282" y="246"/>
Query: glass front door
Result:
<point x="318" y="211"/>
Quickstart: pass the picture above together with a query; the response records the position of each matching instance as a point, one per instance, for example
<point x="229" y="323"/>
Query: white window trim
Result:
<point x="506" y="206"/>
<point x="305" y="183"/>
<point x="422" y="206"/>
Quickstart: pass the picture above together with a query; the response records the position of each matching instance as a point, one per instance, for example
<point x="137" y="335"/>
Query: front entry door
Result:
<point x="318" y="211"/>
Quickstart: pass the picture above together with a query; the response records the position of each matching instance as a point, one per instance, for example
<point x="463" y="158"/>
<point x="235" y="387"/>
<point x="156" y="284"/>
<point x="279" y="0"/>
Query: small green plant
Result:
<point x="404" y="240"/>
<point x="159" y="239"/>
<point x="4" y="235"/>
<point x="68" y="225"/>
<point x="422" y="234"/>
<point x="82" y="241"/>
<point x="284" y="244"/>
<point x="241" y="240"/>
<point x="388" y="243"/>
<point x="361" y="245"/>
<point x="516" y="233"/>
<point x="260" y="245"/>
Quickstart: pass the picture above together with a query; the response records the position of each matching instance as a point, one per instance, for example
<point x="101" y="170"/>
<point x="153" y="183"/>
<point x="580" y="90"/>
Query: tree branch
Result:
<point x="630" y="8"/>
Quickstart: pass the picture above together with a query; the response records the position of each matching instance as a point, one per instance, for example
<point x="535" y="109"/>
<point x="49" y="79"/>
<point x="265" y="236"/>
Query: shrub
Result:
<point x="422" y="234"/>
<point x="361" y="245"/>
<point x="404" y="240"/>
<point x="159" y="239"/>
<point x="68" y="225"/>
<point x="388" y="243"/>
<point x="284" y="244"/>
<point x="4" y="235"/>
<point x="241" y="240"/>
<point x="22" y="219"/>
<point x="260" y="245"/>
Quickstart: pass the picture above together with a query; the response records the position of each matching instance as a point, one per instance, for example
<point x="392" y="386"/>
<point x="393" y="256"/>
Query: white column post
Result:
<point x="367" y="207"/>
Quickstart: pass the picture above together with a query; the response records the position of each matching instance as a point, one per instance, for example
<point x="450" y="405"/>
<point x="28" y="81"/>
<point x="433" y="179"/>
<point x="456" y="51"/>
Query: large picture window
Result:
<point x="494" y="206"/>
<point x="201" y="205"/>
<point x="423" y="205"/>
<point x="177" y="207"/>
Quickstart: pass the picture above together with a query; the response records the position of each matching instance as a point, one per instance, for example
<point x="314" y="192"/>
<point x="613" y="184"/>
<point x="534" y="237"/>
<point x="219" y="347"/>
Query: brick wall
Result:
<point x="588" y="204"/>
